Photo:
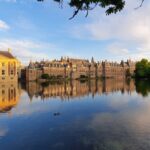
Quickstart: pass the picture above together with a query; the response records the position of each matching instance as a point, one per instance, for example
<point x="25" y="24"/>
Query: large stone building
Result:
<point x="9" y="67"/>
<point x="76" y="68"/>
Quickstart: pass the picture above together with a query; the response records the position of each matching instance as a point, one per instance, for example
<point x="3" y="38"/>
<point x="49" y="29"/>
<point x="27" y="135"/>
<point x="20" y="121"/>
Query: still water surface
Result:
<point x="96" y="115"/>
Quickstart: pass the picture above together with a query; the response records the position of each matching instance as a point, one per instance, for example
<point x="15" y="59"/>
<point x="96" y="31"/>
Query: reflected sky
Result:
<point x="96" y="115"/>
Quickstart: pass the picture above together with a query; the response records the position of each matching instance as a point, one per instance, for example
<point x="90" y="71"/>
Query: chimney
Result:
<point x="9" y="50"/>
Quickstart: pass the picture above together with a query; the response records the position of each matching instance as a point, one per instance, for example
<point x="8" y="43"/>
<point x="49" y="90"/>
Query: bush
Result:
<point x="45" y="76"/>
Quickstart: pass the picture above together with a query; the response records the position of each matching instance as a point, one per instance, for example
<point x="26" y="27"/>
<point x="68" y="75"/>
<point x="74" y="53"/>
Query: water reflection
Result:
<point x="97" y="115"/>
<point x="9" y="96"/>
<point x="10" y="92"/>
<point x="73" y="89"/>
<point x="143" y="87"/>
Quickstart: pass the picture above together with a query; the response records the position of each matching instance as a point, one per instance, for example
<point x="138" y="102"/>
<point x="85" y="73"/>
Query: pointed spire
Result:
<point x="61" y="58"/>
<point x="92" y="60"/>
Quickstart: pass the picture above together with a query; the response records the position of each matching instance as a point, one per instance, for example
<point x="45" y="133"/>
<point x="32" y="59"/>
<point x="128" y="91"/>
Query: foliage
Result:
<point x="51" y="77"/>
<point x="143" y="87"/>
<point x="45" y="76"/>
<point x="143" y="69"/>
<point x="112" y="6"/>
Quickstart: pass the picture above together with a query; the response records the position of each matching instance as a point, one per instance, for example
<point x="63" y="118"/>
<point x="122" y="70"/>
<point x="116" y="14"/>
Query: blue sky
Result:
<point x="36" y="31"/>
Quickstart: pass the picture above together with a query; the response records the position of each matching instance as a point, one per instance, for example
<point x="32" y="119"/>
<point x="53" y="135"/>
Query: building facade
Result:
<point x="77" y="68"/>
<point x="9" y="67"/>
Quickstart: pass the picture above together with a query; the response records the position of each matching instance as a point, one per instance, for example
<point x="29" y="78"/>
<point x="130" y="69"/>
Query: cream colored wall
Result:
<point x="13" y="66"/>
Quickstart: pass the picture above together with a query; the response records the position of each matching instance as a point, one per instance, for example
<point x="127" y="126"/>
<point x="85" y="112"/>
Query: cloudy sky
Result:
<point x="36" y="31"/>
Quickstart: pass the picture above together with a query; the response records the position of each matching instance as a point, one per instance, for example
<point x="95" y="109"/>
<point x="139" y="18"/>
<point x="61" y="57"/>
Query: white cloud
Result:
<point x="130" y="28"/>
<point x="26" y="50"/>
<point x="122" y="51"/>
<point x="3" y="25"/>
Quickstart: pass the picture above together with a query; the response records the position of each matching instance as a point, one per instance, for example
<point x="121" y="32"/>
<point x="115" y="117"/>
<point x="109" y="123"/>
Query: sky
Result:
<point x="42" y="31"/>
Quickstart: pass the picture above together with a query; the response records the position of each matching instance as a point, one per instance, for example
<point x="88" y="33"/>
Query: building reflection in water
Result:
<point x="9" y="95"/>
<point x="10" y="92"/>
<point x="75" y="89"/>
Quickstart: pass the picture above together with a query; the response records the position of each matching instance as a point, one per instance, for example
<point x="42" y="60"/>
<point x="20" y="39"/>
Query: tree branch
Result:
<point x="140" y="4"/>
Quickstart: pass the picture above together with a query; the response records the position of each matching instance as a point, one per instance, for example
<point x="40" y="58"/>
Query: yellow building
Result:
<point x="9" y="96"/>
<point x="8" y="67"/>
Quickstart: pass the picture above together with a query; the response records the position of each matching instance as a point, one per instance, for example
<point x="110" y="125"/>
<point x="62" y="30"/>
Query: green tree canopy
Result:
<point x="143" y="69"/>
<point x="111" y="6"/>
<point x="45" y="76"/>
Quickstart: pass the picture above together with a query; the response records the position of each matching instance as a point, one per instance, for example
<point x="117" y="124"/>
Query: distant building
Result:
<point x="9" y="67"/>
<point x="76" y="68"/>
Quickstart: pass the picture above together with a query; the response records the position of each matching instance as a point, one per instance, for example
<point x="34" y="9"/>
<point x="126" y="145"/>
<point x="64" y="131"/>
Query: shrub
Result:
<point x="45" y="76"/>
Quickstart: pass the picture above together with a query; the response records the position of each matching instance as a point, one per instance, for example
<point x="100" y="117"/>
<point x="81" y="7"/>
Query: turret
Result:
<point x="92" y="60"/>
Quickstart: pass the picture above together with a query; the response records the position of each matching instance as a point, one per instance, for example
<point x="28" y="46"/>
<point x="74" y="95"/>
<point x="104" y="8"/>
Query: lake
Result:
<point x="111" y="114"/>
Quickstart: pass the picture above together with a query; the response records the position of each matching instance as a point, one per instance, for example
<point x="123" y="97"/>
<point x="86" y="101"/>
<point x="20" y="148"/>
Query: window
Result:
<point x="3" y="72"/>
<point x="12" y="72"/>
<point x="3" y="92"/>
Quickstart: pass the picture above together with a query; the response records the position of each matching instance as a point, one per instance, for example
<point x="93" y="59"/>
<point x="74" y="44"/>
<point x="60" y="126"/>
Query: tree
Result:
<point x="112" y="6"/>
<point x="143" y="69"/>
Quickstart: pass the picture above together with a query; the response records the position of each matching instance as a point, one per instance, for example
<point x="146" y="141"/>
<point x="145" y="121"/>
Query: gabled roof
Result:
<point x="6" y="54"/>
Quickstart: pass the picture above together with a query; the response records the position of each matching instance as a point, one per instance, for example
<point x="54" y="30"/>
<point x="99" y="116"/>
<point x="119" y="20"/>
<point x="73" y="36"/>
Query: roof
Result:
<point x="7" y="54"/>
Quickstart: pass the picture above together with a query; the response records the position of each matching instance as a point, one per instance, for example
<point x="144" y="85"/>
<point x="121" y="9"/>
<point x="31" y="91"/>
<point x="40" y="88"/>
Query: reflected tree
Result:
<point x="143" y="87"/>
